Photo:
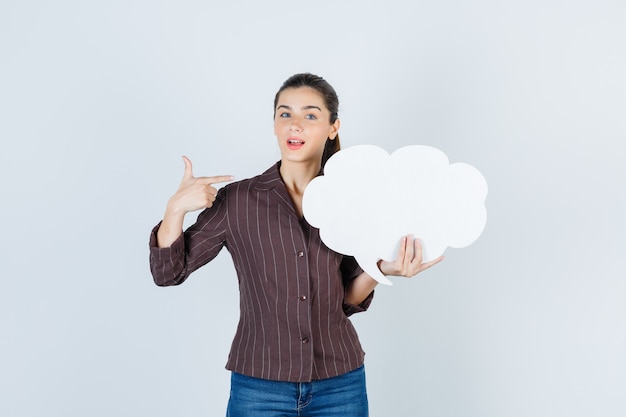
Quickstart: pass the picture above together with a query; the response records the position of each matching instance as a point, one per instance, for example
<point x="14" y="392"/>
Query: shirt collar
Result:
<point x="271" y="178"/>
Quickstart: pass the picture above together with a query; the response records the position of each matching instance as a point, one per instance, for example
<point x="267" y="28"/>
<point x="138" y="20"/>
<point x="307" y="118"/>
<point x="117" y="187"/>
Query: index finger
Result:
<point x="218" y="178"/>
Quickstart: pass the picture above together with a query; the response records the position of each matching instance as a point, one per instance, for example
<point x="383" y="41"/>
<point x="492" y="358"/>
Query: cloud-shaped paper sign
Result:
<point x="367" y="200"/>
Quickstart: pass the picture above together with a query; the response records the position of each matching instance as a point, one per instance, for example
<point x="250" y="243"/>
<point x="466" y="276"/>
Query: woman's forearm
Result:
<point x="171" y="228"/>
<point x="360" y="288"/>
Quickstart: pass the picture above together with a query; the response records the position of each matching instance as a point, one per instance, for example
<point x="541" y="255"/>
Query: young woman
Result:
<point x="295" y="352"/>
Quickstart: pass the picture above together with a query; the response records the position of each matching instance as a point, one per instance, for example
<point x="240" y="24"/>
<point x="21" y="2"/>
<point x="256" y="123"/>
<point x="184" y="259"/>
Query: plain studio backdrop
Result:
<point x="99" y="99"/>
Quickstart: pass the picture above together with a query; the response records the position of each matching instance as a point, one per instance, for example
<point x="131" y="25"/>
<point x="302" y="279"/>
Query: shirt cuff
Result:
<point x="164" y="254"/>
<point x="350" y="309"/>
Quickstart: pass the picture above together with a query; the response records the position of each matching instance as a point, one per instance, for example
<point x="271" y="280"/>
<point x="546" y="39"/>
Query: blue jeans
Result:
<point x="344" y="395"/>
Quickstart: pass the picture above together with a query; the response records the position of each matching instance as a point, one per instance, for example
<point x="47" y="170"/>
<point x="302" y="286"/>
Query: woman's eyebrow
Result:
<point x="284" y="106"/>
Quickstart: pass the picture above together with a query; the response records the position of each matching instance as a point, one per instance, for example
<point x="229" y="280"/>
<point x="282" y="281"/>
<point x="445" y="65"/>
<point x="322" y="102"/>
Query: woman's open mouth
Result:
<point x="294" y="144"/>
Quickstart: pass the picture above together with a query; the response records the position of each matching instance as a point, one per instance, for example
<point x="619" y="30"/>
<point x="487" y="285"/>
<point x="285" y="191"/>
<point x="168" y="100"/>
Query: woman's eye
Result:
<point x="283" y="114"/>
<point x="311" y="117"/>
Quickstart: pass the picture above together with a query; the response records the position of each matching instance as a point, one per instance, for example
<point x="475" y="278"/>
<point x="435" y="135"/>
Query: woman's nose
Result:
<point x="296" y="126"/>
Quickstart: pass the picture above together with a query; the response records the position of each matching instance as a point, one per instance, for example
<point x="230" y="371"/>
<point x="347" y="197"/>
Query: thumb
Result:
<point x="188" y="168"/>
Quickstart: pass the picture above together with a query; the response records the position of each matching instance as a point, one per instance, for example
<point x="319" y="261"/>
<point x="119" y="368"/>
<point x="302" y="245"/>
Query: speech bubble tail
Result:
<point x="370" y="265"/>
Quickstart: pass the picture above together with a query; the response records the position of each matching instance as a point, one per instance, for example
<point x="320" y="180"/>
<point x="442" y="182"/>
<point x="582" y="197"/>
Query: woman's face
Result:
<point x="302" y="125"/>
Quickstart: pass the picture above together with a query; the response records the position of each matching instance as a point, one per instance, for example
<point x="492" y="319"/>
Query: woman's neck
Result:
<point x="296" y="177"/>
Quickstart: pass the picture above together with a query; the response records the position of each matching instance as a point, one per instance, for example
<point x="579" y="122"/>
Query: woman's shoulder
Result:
<point x="265" y="181"/>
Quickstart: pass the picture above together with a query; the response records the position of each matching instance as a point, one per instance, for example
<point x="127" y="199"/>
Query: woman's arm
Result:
<point x="359" y="288"/>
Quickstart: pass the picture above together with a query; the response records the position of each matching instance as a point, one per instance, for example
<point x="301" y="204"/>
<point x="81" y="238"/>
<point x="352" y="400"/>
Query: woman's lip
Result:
<point x="294" y="143"/>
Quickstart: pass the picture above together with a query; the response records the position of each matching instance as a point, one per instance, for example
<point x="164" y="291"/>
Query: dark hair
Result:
<point x="330" y="100"/>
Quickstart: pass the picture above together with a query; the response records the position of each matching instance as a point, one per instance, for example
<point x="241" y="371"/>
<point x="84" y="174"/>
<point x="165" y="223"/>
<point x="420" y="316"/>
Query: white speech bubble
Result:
<point x="367" y="200"/>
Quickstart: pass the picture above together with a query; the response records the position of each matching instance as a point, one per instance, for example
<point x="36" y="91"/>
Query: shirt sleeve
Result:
<point x="350" y="269"/>
<point x="195" y="247"/>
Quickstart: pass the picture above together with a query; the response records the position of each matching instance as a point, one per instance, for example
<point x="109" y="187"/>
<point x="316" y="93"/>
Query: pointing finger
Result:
<point x="220" y="178"/>
<point x="214" y="180"/>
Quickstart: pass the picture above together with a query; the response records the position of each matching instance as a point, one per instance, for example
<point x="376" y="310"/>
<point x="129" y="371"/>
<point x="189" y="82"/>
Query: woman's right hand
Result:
<point x="194" y="193"/>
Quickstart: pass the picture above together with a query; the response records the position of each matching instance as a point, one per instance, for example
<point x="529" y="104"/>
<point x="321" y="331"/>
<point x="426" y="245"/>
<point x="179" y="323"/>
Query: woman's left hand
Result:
<point x="409" y="262"/>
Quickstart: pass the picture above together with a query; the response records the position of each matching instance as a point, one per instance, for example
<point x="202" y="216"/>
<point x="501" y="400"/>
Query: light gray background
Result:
<point x="98" y="100"/>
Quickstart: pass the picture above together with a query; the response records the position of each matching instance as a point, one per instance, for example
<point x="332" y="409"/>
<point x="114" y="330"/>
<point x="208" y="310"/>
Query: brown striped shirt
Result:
<point x="293" y="322"/>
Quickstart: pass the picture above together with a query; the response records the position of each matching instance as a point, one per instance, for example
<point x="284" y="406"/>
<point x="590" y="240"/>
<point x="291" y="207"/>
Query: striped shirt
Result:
<point x="293" y="323"/>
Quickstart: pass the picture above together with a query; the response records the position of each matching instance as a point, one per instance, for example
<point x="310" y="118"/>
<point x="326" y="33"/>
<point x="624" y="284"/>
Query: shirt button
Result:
<point x="303" y="298"/>
<point x="300" y="254"/>
<point x="305" y="340"/>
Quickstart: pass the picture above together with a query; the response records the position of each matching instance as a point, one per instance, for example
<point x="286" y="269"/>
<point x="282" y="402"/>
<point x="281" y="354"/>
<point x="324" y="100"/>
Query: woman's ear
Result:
<point x="334" y="129"/>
